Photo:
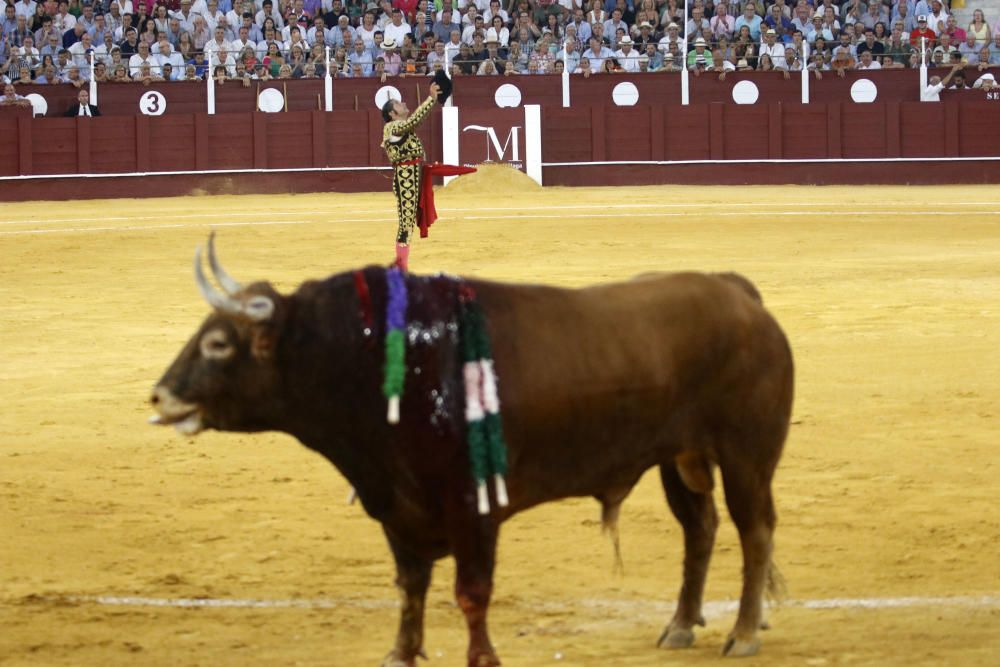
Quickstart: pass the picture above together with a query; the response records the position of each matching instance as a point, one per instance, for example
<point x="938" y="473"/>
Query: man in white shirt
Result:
<point x="773" y="49"/>
<point x="672" y="37"/>
<point x="143" y="57"/>
<point x="268" y="10"/>
<point x="932" y="93"/>
<point x="867" y="62"/>
<point x="397" y="28"/>
<point x="244" y="41"/>
<point x="597" y="54"/>
<point x="937" y="18"/>
<point x="627" y="57"/>
<point x="25" y="8"/>
<point x="80" y="51"/>
<point x="222" y="57"/>
<point x="185" y="16"/>
<point x="218" y="41"/>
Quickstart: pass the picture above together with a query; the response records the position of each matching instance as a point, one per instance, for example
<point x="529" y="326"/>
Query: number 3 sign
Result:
<point x="153" y="103"/>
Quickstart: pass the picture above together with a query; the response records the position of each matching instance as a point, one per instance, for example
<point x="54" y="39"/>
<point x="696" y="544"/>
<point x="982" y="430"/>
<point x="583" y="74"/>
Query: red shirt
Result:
<point x="408" y="7"/>
<point x="918" y="33"/>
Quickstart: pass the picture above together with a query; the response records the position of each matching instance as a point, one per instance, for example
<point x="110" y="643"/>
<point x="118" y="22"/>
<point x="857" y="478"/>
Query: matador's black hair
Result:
<point x="387" y="109"/>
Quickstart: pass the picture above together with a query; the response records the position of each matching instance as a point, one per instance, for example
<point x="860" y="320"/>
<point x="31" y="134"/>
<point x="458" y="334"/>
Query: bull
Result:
<point x="686" y="371"/>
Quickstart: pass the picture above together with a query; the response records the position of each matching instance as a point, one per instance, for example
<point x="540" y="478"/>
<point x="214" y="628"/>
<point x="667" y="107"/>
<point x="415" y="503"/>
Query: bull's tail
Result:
<point x="776" y="590"/>
<point x="743" y="283"/>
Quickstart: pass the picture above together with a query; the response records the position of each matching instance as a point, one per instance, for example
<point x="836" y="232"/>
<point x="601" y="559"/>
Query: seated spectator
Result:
<point x="870" y="44"/>
<point x="24" y="76"/>
<point x="945" y="47"/>
<point x="74" y="78"/>
<point x="750" y="19"/>
<point x="867" y="62"/>
<point x="83" y="107"/>
<point x="969" y="49"/>
<point x="48" y="76"/>
<point x="764" y="63"/>
<point x="147" y="74"/>
<point x="958" y="81"/>
<point x="100" y="72"/>
<point x="898" y="50"/>
<point x="842" y="62"/>
<point x="11" y="98"/>
<point x="952" y="30"/>
<point x="983" y="59"/>
<point x="487" y="68"/>
<point x="995" y="49"/>
<point x="979" y="29"/>
<point x="120" y="74"/>
<point x="986" y="82"/>
<point x="922" y="33"/>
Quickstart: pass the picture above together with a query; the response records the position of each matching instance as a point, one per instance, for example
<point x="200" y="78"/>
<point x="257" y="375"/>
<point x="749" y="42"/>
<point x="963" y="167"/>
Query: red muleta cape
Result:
<point x="427" y="213"/>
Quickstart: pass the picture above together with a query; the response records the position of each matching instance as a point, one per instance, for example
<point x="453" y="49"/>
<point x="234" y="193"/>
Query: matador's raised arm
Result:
<point x="408" y="125"/>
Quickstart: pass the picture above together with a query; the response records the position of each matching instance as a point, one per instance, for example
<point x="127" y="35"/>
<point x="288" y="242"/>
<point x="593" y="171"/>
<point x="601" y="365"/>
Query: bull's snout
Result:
<point x="185" y="417"/>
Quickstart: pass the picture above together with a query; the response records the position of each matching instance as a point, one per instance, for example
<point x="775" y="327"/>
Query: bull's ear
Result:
<point x="266" y="318"/>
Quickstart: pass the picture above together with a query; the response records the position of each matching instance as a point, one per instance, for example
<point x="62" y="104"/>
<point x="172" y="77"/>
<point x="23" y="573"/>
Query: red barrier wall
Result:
<point x="350" y="141"/>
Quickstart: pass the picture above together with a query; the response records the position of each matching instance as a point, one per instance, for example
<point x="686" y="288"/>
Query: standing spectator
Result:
<point x="932" y="93"/>
<point x="396" y="29"/>
<point x="83" y="107"/>
<point x="937" y="18"/>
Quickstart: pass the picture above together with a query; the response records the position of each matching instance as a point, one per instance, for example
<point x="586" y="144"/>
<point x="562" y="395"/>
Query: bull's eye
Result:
<point x="215" y="345"/>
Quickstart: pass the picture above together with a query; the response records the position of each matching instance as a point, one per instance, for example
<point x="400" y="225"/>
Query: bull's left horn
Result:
<point x="215" y="298"/>
<point x="227" y="282"/>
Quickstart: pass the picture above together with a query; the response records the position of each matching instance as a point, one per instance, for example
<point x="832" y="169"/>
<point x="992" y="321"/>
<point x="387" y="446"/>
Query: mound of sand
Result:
<point x="493" y="178"/>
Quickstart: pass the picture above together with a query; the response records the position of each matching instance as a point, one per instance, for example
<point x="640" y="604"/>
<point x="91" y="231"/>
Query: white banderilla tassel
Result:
<point x="483" y="497"/>
<point x="501" y="488"/>
<point x="392" y="416"/>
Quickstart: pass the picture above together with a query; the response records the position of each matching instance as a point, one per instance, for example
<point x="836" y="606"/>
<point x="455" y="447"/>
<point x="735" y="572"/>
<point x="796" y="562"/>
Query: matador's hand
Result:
<point x="434" y="90"/>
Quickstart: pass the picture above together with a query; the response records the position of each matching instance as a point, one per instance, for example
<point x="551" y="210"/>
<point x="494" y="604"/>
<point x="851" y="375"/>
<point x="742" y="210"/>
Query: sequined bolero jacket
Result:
<point x="399" y="139"/>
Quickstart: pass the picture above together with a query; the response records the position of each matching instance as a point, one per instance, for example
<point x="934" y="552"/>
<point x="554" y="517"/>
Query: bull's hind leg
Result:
<point x="748" y="497"/>
<point x="413" y="577"/>
<point x="696" y="512"/>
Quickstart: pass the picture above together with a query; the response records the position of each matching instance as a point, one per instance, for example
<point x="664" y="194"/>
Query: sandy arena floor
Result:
<point x="888" y="533"/>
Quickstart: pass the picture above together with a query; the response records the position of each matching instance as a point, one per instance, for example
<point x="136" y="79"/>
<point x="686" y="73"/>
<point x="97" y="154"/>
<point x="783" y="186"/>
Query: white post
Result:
<point x="684" y="59"/>
<point x="805" y="72"/>
<point x="211" y="88"/>
<point x="565" y="76"/>
<point x="449" y="138"/>
<point x="93" y="81"/>
<point x="328" y="83"/>
<point x="533" y="142"/>
<point x="923" y="67"/>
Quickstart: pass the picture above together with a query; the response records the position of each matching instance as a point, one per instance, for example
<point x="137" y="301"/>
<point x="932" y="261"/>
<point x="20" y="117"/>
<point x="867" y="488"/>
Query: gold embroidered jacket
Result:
<point x="398" y="137"/>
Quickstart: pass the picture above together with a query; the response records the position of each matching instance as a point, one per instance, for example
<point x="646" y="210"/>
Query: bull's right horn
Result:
<point x="231" y="286"/>
<point x="215" y="298"/>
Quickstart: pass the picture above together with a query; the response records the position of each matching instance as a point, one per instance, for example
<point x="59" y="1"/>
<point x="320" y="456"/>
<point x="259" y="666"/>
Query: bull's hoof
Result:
<point x="676" y="638"/>
<point x="394" y="660"/>
<point x="740" y="648"/>
<point x="485" y="660"/>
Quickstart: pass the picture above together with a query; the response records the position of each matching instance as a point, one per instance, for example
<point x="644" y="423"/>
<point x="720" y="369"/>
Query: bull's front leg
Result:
<point x="413" y="577"/>
<point x="475" y="556"/>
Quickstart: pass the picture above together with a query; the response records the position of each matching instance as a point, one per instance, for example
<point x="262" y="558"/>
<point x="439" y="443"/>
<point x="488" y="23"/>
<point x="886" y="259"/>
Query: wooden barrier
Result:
<point x="181" y="97"/>
<point x="578" y="144"/>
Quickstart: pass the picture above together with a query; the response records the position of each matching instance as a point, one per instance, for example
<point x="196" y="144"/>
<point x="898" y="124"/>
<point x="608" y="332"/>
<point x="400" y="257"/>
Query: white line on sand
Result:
<point x="523" y="217"/>
<point x="628" y="607"/>
<point x="526" y="207"/>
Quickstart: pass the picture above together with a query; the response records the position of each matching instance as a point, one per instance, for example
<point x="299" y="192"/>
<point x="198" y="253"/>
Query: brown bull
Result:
<point x="687" y="372"/>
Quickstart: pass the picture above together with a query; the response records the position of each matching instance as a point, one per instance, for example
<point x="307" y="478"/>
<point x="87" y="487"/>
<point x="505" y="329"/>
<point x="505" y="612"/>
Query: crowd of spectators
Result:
<point x="54" y="41"/>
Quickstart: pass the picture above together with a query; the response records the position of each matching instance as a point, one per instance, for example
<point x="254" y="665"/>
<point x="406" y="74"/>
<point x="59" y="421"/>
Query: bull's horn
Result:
<point x="228" y="284"/>
<point x="215" y="298"/>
